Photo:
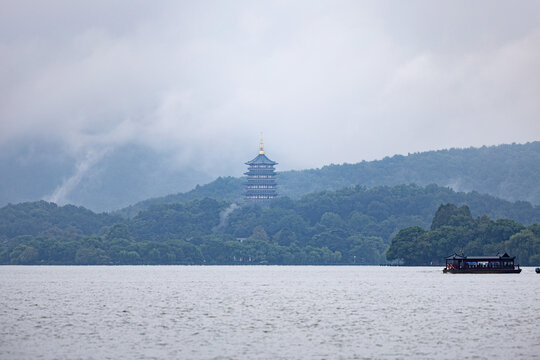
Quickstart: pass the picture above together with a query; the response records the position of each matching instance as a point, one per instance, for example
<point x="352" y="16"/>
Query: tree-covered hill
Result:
<point x="223" y="188"/>
<point x="177" y="221"/>
<point x="454" y="230"/>
<point x="349" y="226"/>
<point x="45" y="218"/>
<point x="506" y="171"/>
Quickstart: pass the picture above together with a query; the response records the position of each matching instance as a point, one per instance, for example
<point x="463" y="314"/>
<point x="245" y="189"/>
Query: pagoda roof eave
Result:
<point x="261" y="159"/>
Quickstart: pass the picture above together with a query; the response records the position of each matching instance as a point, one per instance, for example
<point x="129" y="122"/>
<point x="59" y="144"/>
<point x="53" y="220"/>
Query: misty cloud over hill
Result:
<point x="105" y="180"/>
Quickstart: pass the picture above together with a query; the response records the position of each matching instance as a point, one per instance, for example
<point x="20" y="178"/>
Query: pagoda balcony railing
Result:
<point x="261" y="170"/>
<point x="251" y="172"/>
<point x="259" y="197"/>
<point x="254" y="168"/>
<point x="252" y="177"/>
<point x="262" y="166"/>
<point x="256" y="193"/>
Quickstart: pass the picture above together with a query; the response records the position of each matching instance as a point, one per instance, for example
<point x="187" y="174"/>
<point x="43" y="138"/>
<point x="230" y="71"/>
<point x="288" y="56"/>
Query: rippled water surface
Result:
<point x="266" y="312"/>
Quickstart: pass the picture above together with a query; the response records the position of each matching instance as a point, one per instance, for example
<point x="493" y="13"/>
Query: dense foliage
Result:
<point x="505" y="171"/>
<point x="223" y="188"/>
<point x="41" y="218"/>
<point x="454" y="230"/>
<point x="350" y="226"/>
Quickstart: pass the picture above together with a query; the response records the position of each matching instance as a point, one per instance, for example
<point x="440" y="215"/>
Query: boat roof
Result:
<point x="504" y="256"/>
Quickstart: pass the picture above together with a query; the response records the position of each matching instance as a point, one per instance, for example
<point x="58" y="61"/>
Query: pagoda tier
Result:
<point x="261" y="179"/>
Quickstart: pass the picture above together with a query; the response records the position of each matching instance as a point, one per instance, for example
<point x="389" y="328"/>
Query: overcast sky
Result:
<point x="326" y="81"/>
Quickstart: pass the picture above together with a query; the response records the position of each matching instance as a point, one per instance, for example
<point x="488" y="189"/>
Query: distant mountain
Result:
<point x="506" y="171"/>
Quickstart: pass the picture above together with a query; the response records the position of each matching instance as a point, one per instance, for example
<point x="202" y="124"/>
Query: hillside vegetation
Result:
<point x="349" y="226"/>
<point x="506" y="171"/>
<point x="454" y="230"/>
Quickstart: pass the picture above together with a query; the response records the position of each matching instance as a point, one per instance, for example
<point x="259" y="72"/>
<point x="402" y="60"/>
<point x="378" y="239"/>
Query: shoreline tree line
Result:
<point x="353" y="225"/>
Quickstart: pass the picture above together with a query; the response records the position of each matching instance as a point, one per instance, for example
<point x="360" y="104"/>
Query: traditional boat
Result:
<point x="499" y="264"/>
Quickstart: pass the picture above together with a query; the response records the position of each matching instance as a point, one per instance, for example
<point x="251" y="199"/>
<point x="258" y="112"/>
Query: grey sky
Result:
<point x="326" y="81"/>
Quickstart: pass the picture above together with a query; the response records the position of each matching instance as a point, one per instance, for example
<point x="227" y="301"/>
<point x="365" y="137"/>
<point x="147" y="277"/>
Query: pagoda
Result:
<point x="261" y="178"/>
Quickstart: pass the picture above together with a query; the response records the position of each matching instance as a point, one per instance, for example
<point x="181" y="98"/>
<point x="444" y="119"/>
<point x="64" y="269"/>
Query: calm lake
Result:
<point x="266" y="312"/>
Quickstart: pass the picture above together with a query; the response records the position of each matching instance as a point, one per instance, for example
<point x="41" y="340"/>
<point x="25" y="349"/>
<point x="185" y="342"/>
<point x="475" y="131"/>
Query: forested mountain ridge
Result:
<point x="349" y="226"/>
<point x="506" y="171"/>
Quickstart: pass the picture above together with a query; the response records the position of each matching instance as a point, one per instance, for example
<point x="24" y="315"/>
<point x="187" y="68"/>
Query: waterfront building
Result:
<point x="261" y="178"/>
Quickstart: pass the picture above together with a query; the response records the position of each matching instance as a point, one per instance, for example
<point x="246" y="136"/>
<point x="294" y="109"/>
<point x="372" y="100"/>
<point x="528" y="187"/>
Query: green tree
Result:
<point x="91" y="256"/>
<point x="451" y="215"/>
<point x="259" y="234"/>
<point x="411" y="246"/>
<point x="28" y="256"/>
<point x="525" y="245"/>
<point x="367" y="250"/>
<point x="118" y="231"/>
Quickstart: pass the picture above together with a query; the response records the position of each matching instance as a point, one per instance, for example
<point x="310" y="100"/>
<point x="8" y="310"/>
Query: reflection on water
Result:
<point x="266" y="312"/>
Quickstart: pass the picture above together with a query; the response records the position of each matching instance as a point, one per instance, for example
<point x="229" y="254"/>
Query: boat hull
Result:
<point x="481" y="271"/>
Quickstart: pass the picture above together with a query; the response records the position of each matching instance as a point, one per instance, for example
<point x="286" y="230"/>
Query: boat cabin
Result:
<point x="500" y="263"/>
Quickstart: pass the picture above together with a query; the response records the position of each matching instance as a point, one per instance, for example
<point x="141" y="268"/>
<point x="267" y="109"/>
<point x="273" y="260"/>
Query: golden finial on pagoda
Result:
<point x="261" y="145"/>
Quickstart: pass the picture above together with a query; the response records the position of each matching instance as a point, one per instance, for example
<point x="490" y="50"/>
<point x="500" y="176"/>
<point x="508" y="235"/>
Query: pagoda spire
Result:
<point x="261" y="145"/>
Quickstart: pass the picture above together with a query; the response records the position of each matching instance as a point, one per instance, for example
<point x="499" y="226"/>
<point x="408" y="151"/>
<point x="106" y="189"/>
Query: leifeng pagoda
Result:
<point x="261" y="178"/>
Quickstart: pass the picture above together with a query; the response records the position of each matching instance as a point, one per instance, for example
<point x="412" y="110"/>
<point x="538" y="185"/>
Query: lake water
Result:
<point x="266" y="312"/>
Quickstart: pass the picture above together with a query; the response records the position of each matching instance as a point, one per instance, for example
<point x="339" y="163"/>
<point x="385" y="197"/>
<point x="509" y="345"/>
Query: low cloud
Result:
<point x="325" y="82"/>
<point x="83" y="168"/>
